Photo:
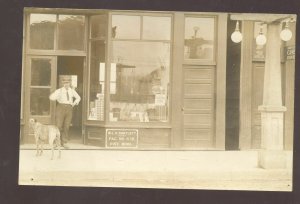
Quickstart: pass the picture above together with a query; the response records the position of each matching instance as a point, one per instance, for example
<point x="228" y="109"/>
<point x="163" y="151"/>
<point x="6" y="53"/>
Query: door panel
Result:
<point x="198" y="107"/>
<point x="41" y="82"/>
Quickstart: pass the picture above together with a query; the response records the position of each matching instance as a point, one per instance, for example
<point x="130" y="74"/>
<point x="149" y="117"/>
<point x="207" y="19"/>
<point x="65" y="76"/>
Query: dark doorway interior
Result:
<point x="232" y="90"/>
<point x="73" y="66"/>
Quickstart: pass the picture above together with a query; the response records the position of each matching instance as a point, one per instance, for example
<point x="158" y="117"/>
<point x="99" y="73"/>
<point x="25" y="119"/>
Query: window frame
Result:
<point x="88" y="88"/>
<point x="128" y="124"/>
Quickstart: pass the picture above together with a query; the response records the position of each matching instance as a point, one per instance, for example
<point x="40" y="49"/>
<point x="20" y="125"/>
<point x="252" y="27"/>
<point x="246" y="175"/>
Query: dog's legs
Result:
<point x="37" y="148"/>
<point x="42" y="147"/>
<point x="52" y="150"/>
<point x="58" y="146"/>
<point x="58" y="142"/>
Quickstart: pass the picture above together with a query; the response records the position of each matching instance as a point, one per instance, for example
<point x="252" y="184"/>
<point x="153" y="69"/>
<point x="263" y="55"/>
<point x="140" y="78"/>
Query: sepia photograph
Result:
<point x="157" y="99"/>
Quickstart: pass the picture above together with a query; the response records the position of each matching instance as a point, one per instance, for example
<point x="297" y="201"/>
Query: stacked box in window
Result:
<point x="99" y="105"/>
<point x="161" y="112"/>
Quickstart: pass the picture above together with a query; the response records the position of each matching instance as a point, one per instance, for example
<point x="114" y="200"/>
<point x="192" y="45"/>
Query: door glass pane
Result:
<point x="199" y="38"/>
<point x="39" y="101"/>
<point x="126" y="27"/>
<point x="40" y="72"/>
<point x="97" y="81"/>
<point x="42" y="29"/>
<point x="139" y="81"/>
<point x="98" y="26"/>
<point x="156" y="28"/>
<point x="71" y="32"/>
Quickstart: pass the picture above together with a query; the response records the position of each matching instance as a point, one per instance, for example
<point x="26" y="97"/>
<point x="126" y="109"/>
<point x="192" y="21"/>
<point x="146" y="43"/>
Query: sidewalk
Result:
<point x="230" y="170"/>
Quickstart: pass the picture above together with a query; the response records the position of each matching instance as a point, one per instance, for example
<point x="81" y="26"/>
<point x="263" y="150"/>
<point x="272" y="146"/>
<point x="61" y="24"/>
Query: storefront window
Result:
<point x="98" y="33"/>
<point x="40" y="72"/>
<point x="199" y="38"/>
<point x="126" y="27"/>
<point x="71" y="32"/>
<point x="140" y="69"/>
<point x="42" y="31"/>
<point x="40" y="87"/>
<point x="97" y="81"/>
<point x="139" y="81"/>
<point x="39" y="101"/>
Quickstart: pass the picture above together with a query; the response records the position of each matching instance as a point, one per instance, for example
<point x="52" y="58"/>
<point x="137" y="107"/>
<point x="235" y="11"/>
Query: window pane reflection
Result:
<point x="40" y="72"/>
<point x="42" y="29"/>
<point x="199" y="38"/>
<point x="126" y="27"/>
<point x="139" y="81"/>
<point x="98" y="26"/>
<point x="71" y="32"/>
<point x="156" y="28"/>
<point x="39" y="101"/>
<point x="97" y="81"/>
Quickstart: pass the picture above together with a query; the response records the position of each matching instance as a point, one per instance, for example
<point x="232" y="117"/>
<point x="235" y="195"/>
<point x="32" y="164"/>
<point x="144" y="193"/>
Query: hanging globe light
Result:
<point x="261" y="38"/>
<point x="237" y="36"/>
<point x="286" y="34"/>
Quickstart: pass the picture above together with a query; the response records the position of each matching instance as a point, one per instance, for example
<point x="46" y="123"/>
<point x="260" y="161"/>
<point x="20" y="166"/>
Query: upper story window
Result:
<point x="57" y="32"/>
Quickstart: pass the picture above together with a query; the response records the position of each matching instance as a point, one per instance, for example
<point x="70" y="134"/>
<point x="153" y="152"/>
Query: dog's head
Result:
<point x="32" y="121"/>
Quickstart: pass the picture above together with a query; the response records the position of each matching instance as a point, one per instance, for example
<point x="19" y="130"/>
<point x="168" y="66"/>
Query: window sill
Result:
<point x="129" y="125"/>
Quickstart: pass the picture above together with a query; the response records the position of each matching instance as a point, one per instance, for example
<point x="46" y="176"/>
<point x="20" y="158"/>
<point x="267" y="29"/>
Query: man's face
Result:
<point x="67" y="85"/>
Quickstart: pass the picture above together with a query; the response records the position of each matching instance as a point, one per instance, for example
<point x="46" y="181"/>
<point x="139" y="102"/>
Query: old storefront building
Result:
<point x="154" y="80"/>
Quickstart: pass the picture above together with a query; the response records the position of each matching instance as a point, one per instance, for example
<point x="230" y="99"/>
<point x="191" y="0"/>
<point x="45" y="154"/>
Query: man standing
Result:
<point x="65" y="97"/>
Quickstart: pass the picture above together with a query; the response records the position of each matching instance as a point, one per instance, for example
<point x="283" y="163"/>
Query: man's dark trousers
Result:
<point x="63" y="120"/>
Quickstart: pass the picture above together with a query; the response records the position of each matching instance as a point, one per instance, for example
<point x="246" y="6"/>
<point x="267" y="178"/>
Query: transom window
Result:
<point x="57" y="32"/>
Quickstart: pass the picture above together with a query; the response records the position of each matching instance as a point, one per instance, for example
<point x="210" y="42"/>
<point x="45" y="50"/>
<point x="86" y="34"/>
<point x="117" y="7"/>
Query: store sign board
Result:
<point x="290" y="53"/>
<point x="121" y="138"/>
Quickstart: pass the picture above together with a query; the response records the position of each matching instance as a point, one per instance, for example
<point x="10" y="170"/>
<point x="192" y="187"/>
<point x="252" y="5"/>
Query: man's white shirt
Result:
<point x="60" y="95"/>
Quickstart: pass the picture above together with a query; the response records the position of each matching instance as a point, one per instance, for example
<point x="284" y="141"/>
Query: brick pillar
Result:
<point x="272" y="154"/>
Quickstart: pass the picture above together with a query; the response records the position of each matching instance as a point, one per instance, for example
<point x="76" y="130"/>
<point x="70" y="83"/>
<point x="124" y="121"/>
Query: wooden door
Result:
<point x="41" y="81"/>
<point x="198" y="107"/>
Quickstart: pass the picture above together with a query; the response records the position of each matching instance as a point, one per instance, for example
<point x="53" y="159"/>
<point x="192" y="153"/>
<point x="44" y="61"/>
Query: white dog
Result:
<point x="44" y="133"/>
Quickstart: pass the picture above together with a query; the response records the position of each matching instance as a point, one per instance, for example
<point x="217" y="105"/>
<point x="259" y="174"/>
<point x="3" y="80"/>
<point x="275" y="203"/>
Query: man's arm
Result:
<point x="77" y="98"/>
<point x="54" y="96"/>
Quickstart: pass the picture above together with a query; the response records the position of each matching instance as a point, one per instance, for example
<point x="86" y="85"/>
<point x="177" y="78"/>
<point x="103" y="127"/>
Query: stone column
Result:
<point x="272" y="154"/>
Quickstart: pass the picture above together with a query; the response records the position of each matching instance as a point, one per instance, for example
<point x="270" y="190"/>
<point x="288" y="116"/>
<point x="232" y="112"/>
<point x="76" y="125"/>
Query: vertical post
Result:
<point x="272" y="111"/>
<point x="246" y="86"/>
<point x="221" y="82"/>
<point x="176" y="77"/>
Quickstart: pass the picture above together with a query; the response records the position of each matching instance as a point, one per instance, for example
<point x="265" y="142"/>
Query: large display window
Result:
<point x="98" y="29"/>
<point x="140" y="68"/>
